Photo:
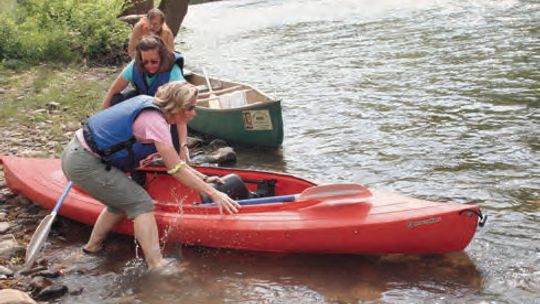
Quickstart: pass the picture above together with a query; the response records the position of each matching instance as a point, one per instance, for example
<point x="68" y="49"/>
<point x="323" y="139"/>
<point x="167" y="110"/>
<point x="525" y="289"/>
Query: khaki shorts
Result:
<point x="113" y="188"/>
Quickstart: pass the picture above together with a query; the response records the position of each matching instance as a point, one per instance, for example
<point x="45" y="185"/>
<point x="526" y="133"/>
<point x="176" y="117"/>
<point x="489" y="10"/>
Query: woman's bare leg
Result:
<point x="146" y="233"/>
<point x="104" y="224"/>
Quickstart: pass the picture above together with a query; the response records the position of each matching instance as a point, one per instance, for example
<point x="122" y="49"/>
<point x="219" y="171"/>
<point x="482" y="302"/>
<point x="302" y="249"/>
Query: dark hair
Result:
<point x="155" y="12"/>
<point x="153" y="42"/>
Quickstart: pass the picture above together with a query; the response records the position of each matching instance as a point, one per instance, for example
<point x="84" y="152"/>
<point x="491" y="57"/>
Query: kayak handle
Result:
<point x="483" y="217"/>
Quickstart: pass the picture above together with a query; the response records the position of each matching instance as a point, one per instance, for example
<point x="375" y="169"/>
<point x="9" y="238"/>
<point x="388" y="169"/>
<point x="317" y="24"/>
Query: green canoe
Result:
<point x="236" y="113"/>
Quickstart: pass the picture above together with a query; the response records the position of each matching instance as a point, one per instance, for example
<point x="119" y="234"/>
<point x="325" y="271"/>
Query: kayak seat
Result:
<point x="265" y="188"/>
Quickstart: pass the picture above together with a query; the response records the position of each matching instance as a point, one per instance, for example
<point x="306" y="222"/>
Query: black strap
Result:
<point x="106" y="153"/>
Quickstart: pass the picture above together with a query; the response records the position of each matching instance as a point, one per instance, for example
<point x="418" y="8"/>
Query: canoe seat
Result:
<point x="234" y="99"/>
<point x="231" y="100"/>
<point x="202" y="88"/>
<point x="216" y="91"/>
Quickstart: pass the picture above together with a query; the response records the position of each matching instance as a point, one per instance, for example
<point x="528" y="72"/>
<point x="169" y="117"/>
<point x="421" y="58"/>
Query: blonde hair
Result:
<point x="174" y="96"/>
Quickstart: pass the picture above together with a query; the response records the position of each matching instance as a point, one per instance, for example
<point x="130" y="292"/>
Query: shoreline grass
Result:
<point x="77" y="90"/>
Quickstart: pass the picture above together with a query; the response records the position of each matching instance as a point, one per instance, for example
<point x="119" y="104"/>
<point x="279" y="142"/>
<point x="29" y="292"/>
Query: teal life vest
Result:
<point x="161" y="78"/>
<point x="109" y="133"/>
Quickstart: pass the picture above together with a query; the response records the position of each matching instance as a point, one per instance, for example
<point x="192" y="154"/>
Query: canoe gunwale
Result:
<point x="253" y="106"/>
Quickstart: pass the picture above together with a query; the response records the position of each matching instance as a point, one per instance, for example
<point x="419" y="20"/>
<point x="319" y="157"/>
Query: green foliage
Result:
<point x="63" y="31"/>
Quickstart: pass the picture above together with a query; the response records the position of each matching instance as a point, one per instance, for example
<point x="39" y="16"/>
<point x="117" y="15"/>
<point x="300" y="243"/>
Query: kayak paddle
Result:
<point x="320" y="192"/>
<point x="42" y="231"/>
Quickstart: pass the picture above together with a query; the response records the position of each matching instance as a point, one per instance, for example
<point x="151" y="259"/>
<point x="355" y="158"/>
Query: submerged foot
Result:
<point x="92" y="251"/>
<point x="167" y="267"/>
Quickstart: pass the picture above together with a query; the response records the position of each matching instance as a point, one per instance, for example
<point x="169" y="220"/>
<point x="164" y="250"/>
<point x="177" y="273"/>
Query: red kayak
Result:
<point x="300" y="216"/>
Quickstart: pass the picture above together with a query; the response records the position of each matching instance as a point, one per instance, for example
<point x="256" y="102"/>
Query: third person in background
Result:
<point x="153" y="23"/>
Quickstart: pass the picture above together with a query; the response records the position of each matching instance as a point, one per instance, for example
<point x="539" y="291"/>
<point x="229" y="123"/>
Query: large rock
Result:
<point x="10" y="248"/>
<point x="14" y="296"/>
<point x="4" y="227"/>
<point x="216" y="144"/>
<point x="222" y="156"/>
<point x="6" y="271"/>
<point x="52" y="292"/>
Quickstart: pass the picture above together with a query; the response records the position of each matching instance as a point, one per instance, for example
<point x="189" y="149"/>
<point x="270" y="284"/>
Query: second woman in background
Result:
<point x="154" y="65"/>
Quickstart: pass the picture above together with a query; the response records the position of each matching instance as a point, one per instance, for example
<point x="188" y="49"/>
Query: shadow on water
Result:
<point x="215" y="275"/>
<point x="245" y="276"/>
<point x="261" y="158"/>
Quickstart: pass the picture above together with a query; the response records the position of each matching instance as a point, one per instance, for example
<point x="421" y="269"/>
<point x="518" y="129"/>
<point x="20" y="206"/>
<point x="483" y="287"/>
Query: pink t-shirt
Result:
<point x="148" y="127"/>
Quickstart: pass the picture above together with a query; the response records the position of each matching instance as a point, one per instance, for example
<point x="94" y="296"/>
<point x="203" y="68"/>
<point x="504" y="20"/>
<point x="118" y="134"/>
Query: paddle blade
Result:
<point x="38" y="239"/>
<point x="327" y="191"/>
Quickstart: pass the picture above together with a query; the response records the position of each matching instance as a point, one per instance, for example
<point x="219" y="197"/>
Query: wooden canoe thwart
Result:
<point x="298" y="217"/>
<point x="236" y="112"/>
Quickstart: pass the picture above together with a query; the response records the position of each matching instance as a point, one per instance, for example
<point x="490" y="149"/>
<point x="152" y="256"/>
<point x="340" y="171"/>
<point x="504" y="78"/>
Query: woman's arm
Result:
<point x="187" y="176"/>
<point x="182" y="137"/>
<point x="207" y="178"/>
<point x="118" y="85"/>
<point x="134" y="39"/>
<point x="168" y="37"/>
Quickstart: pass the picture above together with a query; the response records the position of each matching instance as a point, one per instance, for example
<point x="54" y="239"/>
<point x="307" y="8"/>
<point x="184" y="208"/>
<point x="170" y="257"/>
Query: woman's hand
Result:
<point x="214" y="179"/>
<point x="118" y="85"/>
<point x="224" y="201"/>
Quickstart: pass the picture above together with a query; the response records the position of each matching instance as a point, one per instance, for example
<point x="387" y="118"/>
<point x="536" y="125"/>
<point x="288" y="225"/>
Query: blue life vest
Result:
<point x="161" y="78"/>
<point x="109" y="133"/>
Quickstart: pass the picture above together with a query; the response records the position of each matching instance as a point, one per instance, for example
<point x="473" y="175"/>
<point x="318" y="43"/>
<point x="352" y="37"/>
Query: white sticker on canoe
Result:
<point x="257" y="120"/>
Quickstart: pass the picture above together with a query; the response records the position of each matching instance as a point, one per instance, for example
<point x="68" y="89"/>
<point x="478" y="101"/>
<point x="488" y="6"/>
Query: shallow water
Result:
<point x="437" y="99"/>
<point x="215" y="276"/>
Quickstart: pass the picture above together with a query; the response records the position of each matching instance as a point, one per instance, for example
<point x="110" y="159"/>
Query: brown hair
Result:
<point x="173" y="96"/>
<point x="155" y="12"/>
<point x="153" y="42"/>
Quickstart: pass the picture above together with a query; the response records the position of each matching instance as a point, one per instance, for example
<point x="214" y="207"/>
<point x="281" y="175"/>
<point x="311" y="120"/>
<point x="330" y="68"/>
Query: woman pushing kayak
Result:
<point x="113" y="142"/>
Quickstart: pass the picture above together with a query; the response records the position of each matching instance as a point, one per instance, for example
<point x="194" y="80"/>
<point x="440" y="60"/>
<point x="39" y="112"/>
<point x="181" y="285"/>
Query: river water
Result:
<point x="436" y="99"/>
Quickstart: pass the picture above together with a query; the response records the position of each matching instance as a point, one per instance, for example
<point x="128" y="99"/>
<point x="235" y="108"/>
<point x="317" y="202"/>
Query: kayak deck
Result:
<point x="358" y="224"/>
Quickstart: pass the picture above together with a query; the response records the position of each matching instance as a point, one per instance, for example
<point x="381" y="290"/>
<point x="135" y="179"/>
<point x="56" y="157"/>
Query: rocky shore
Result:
<point x="19" y="217"/>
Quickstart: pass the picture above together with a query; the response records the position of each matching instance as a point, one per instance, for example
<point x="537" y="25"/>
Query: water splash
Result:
<point x="179" y="199"/>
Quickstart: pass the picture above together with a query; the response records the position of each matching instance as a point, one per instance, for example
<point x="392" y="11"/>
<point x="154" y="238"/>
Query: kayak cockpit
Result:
<point x="166" y="190"/>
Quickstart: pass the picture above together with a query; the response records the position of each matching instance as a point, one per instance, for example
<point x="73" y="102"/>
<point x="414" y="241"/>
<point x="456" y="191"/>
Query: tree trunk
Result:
<point x="137" y="7"/>
<point x="175" y="11"/>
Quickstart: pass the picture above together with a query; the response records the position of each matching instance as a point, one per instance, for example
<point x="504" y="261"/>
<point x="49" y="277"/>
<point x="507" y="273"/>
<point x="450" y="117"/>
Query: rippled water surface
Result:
<point x="437" y="99"/>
